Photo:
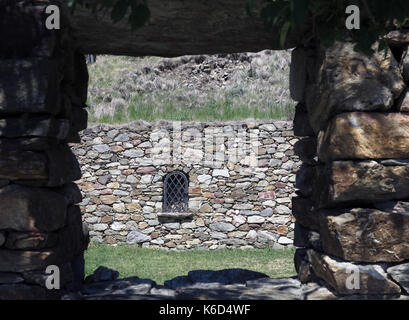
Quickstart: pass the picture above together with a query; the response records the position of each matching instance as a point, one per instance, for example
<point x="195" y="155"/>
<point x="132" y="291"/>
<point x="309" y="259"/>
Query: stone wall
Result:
<point x="353" y="197"/>
<point x="241" y="180"/>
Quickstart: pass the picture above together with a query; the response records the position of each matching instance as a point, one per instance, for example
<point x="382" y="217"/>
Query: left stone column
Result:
<point x="43" y="90"/>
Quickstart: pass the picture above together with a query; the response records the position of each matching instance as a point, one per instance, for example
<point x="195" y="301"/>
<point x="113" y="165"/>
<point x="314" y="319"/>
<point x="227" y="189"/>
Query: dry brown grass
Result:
<point x="206" y="88"/>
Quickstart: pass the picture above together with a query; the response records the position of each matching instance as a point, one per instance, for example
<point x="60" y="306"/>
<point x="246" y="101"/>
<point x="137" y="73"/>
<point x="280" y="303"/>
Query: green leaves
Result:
<point x="326" y="19"/>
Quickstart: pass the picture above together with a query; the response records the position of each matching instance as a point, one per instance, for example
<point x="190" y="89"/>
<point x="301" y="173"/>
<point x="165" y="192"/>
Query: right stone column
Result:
<point x="352" y="208"/>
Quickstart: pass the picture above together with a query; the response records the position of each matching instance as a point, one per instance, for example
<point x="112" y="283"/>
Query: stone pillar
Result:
<point x="352" y="225"/>
<point x="43" y="90"/>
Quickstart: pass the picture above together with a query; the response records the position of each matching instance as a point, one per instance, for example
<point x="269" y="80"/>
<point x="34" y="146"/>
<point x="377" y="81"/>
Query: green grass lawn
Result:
<point x="161" y="265"/>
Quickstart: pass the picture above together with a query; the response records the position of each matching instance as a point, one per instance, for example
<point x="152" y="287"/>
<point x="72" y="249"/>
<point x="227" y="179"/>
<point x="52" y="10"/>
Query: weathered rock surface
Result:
<point x="29" y="85"/>
<point x="273" y="289"/>
<point x="30" y="240"/>
<point x="304" y="210"/>
<point x="9" y="277"/>
<point x="366" y="235"/>
<point x="400" y="274"/>
<point x="126" y="286"/>
<point x="349" y="182"/>
<point x="304" y="180"/>
<point x="359" y="135"/>
<point x="306" y="238"/>
<point x="22" y="291"/>
<point x="306" y="149"/>
<point x="31" y="209"/>
<point x="63" y="166"/>
<point x="17" y="165"/>
<point x="137" y="237"/>
<point x="55" y="167"/>
<point x="312" y="291"/>
<point x="398" y="37"/>
<point x="219" y="288"/>
<point x="302" y="125"/>
<point x="2" y="238"/>
<point x="20" y="261"/>
<point x="402" y="105"/>
<point x="102" y="274"/>
<point x="339" y="275"/>
<point x="34" y="127"/>
<point x="350" y="81"/>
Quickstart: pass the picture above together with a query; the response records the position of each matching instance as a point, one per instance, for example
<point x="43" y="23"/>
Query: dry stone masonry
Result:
<point x="240" y="182"/>
<point x="353" y="186"/>
<point x="43" y="89"/>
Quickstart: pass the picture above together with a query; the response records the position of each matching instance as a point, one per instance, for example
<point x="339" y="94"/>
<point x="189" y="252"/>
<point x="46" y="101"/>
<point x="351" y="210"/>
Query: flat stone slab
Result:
<point x="126" y="286"/>
<point x="351" y="81"/>
<point x="351" y="182"/>
<point x="29" y="85"/>
<point x="31" y="209"/>
<point x="360" y="135"/>
<point x="366" y="235"/>
<point x="347" y="278"/>
<point x="264" y="288"/>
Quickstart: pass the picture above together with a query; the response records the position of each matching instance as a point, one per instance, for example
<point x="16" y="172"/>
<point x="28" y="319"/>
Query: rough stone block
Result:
<point x="306" y="149"/>
<point x="304" y="180"/>
<point x="351" y="81"/>
<point x="28" y="143"/>
<point x="352" y="182"/>
<point x="31" y="209"/>
<point x="304" y="210"/>
<point x="29" y="86"/>
<point x="39" y="42"/>
<point x="30" y="240"/>
<point x="17" y="165"/>
<point x="301" y="123"/>
<point x="366" y="235"/>
<point x="400" y="273"/>
<point x="63" y="166"/>
<point x="73" y="239"/>
<point x="304" y="237"/>
<point x="402" y="105"/>
<point x="339" y="275"/>
<point x="34" y="127"/>
<point x="360" y="135"/>
<point x="21" y="291"/>
<point x="21" y="261"/>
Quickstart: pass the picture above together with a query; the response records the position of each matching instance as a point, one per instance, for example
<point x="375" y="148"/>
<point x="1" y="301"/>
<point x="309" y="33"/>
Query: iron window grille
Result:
<point x="176" y="197"/>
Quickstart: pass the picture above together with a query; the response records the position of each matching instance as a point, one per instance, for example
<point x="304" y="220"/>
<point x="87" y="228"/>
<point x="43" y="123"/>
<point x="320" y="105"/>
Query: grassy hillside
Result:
<point x="201" y="88"/>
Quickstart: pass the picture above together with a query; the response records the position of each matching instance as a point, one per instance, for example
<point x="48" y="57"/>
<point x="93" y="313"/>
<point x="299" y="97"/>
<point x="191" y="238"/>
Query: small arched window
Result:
<point x="175" y="197"/>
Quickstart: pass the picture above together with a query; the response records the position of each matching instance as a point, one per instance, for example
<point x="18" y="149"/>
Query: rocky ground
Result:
<point x="251" y="84"/>
<point x="227" y="284"/>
